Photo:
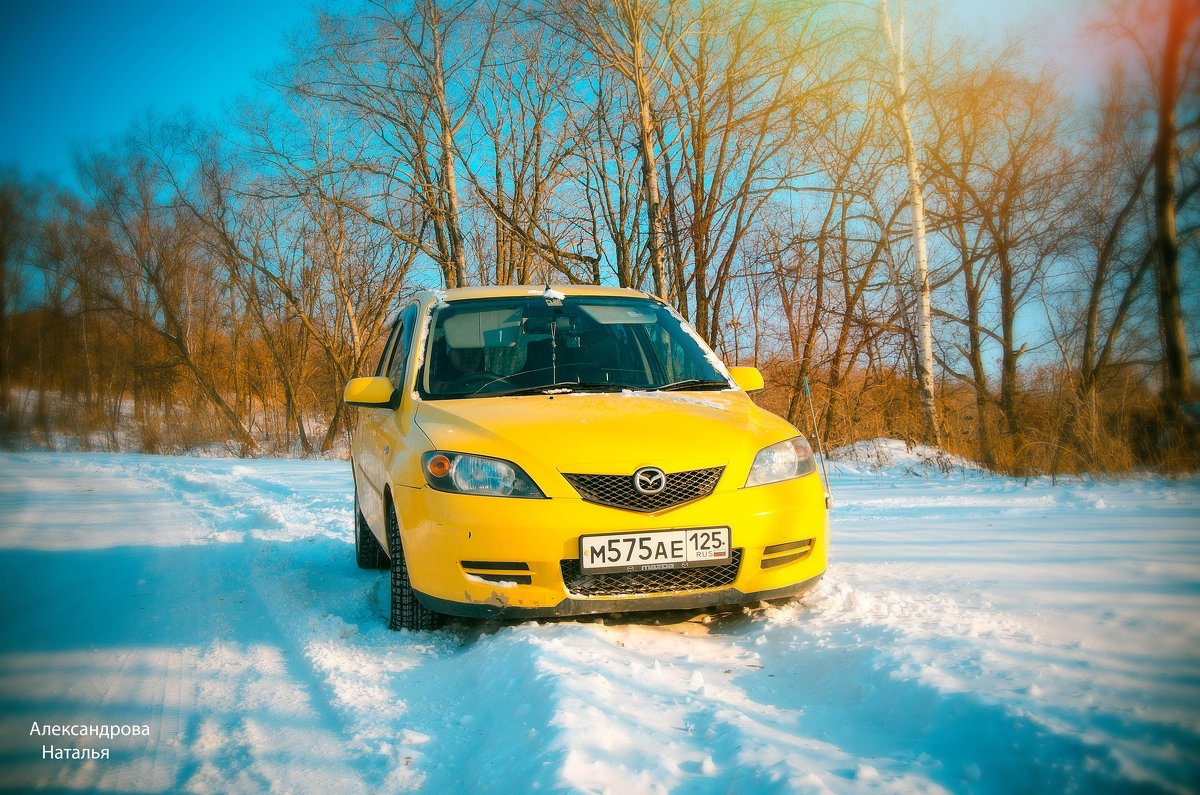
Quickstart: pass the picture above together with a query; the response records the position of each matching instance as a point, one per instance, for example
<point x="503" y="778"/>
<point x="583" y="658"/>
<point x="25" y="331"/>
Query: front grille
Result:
<point x="649" y="582"/>
<point x="617" y="491"/>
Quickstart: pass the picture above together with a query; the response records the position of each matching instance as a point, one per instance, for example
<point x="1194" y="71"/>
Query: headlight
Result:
<point x="459" y="473"/>
<point x="782" y="461"/>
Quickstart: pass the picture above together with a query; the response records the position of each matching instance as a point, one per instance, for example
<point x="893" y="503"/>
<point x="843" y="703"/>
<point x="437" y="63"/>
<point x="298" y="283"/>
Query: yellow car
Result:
<point x="535" y="452"/>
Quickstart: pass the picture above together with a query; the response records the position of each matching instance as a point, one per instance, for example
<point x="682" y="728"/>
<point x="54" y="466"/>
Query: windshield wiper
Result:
<point x="691" y="383"/>
<point x="561" y="386"/>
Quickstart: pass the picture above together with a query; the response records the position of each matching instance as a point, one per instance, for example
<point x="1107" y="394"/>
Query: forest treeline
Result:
<point x="923" y="226"/>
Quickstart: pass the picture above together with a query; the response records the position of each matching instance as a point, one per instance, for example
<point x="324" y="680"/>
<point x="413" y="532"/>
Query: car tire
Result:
<point x="407" y="611"/>
<point x="368" y="552"/>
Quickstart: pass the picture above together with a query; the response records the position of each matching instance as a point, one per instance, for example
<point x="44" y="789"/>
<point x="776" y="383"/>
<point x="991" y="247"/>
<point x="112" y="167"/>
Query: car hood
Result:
<point x="613" y="433"/>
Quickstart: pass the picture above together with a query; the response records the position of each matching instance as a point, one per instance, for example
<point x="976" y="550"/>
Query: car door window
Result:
<point x="400" y="352"/>
<point x="382" y="368"/>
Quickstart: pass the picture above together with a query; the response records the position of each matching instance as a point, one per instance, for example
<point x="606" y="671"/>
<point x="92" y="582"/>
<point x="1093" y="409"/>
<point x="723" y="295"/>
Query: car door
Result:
<point x="405" y="442"/>
<point x="375" y="437"/>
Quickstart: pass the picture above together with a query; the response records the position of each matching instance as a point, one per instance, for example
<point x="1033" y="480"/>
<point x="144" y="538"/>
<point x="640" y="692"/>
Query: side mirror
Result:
<point x="748" y="379"/>
<point x="370" y="393"/>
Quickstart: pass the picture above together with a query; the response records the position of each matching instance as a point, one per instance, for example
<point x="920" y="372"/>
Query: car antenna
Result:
<point x="820" y="452"/>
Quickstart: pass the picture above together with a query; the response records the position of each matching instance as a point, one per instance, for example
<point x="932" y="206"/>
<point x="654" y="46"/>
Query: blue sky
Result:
<point x="76" y="71"/>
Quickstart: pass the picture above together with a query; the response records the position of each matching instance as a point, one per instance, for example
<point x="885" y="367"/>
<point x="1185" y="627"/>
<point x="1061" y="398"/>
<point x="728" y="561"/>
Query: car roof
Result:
<point x="464" y="293"/>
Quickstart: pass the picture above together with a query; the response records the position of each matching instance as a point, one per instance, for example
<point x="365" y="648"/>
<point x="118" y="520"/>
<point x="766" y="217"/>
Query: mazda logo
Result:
<point x="649" y="481"/>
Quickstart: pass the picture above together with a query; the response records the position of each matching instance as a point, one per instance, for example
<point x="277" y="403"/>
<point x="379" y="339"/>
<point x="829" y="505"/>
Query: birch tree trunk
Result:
<point x="895" y="45"/>
<point x="653" y="197"/>
<point x="634" y="19"/>
<point x="447" y="129"/>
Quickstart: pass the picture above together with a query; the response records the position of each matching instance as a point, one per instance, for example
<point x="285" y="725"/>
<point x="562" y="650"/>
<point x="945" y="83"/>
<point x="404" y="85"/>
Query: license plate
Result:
<point x="654" y="550"/>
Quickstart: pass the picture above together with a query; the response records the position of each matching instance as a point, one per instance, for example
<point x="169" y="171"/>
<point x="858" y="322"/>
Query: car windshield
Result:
<point x="545" y="343"/>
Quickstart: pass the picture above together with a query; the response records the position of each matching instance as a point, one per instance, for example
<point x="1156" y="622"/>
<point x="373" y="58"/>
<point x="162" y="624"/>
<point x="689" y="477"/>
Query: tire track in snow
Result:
<point x="295" y="527"/>
<point x="281" y="522"/>
<point x="399" y="697"/>
<point x="172" y="633"/>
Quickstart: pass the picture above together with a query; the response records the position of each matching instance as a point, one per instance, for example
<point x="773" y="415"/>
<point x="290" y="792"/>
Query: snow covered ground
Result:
<point x="973" y="634"/>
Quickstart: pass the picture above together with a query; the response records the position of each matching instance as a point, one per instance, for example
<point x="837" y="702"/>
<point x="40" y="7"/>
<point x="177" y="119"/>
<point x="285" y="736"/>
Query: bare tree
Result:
<point x="306" y="231"/>
<point x="529" y="132"/>
<point x="408" y="75"/>
<point x="895" y="48"/>
<point x="1006" y="175"/>
<point x="1105" y="327"/>
<point x="611" y="191"/>
<point x="1112" y="227"/>
<point x="752" y="82"/>
<point x="635" y="38"/>
<point x="18" y="209"/>
<point x="1176" y="369"/>
<point x="154" y="272"/>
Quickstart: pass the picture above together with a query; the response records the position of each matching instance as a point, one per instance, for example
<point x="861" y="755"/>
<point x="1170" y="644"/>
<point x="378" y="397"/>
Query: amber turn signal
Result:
<point x="438" y="466"/>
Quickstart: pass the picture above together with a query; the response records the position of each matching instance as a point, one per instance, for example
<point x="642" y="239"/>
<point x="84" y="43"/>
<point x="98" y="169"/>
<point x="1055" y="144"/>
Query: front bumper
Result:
<point x="493" y="557"/>
<point x="696" y="600"/>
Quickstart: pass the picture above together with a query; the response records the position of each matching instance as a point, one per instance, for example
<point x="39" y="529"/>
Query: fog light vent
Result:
<point x="498" y="571"/>
<point x="782" y="554"/>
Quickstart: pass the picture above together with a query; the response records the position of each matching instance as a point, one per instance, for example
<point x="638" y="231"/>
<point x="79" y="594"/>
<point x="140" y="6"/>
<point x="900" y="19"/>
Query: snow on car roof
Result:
<point x="514" y="290"/>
